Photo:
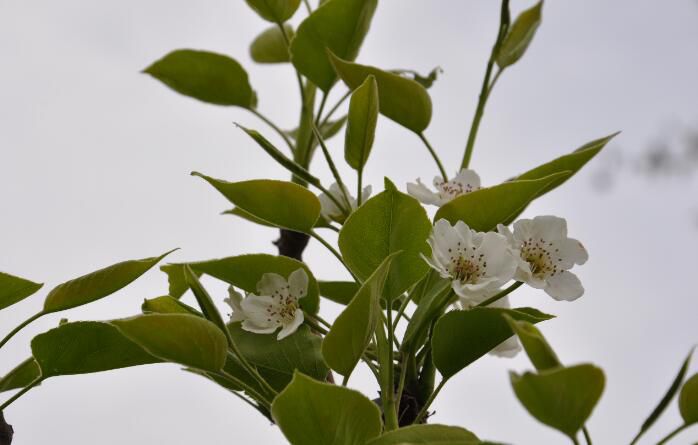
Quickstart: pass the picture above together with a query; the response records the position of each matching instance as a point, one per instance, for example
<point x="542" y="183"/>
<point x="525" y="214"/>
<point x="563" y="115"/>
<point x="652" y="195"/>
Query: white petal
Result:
<point x="256" y="308"/>
<point x="468" y="178"/>
<point x="249" y="326"/>
<point x="423" y="194"/>
<point x="500" y="260"/>
<point x="564" y="286"/>
<point x="549" y="227"/>
<point x="271" y="283"/>
<point x="366" y="193"/>
<point x="523" y="229"/>
<point x="328" y="209"/>
<point x="291" y="327"/>
<point x="571" y="252"/>
<point x="234" y="299"/>
<point x="507" y="349"/>
<point x="298" y="282"/>
<point x="504" y="231"/>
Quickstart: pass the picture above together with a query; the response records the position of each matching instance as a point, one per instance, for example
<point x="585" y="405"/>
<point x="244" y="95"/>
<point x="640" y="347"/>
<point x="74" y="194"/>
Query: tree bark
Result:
<point x="292" y="244"/>
<point x="6" y="431"/>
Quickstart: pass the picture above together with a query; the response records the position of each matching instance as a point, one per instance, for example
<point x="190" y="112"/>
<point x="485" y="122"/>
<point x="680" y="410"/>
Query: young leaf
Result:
<point x="483" y="209"/>
<point x="275" y="11"/>
<point x="279" y="359"/>
<point x="85" y="347"/>
<point x="281" y="158"/>
<point x="562" y="398"/>
<point x="206" y="76"/>
<point x="403" y="100"/>
<point x="338" y="26"/>
<point x="537" y="348"/>
<point x="688" y="400"/>
<point x="98" y="284"/>
<point x="572" y="162"/>
<point x="671" y="392"/>
<point x="15" y="289"/>
<point x="270" y="46"/>
<point x="175" y="278"/>
<point x="435" y="295"/>
<point x="462" y="337"/>
<point x="208" y="307"/>
<point x="389" y="222"/>
<point x="245" y="271"/>
<point x="279" y="203"/>
<point x="361" y="127"/>
<point x="427" y="434"/>
<point x="313" y="413"/>
<point x="167" y="305"/>
<point x="519" y="36"/>
<point x="180" y="338"/>
<point x="21" y="376"/>
<point x="352" y="331"/>
<point x="340" y="292"/>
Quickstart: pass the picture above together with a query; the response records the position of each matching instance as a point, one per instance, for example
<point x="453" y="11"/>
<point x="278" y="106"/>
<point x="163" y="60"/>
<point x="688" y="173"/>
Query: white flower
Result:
<point x="234" y="299"/>
<point x="477" y="263"/>
<point x="465" y="181"/>
<point x="546" y="255"/>
<point x="328" y="208"/>
<point x="275" y="307"/>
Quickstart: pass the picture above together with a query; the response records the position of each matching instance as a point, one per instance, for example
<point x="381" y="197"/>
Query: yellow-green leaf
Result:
<point x="206" y="76"/>
<point x="280" y="203"/>
<point x="403" y="100"/>
<point x="519" y="36"/>
<point x="270" y="46"/>
<point x="361" y="126"/>
<point x="15" y="289"/>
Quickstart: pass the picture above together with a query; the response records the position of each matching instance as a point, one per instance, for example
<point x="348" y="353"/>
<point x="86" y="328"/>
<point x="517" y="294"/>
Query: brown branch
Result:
<point x="6" y="431"/>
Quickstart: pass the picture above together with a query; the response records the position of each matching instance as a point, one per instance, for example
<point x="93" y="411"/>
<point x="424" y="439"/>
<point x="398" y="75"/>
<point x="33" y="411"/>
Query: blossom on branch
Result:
<point x="276" y="304"/>
<point x="478" y="263"/>
<point x="464" y="182"/>
<point x="546" y="254"/>
<point x="329" y="209"/>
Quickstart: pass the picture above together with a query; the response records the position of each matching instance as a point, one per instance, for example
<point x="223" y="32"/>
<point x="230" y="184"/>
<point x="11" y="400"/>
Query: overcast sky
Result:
<point x="95" y="161"/>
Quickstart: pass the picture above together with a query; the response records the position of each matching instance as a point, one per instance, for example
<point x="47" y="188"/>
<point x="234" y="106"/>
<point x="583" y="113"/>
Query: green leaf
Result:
<point x="403" y="100"/>
<point x="281" y="158"/>
<point x="389" y="222"/>
<point x="167" y="305"/>
<point x="361" y="127"/>
<point x="280" y="203"/>
<point x="353" y="330"/>
<point x="313" y="413"/>
<point x="175" y="277"/>
<point x="339" y="291"/>
<point x="23" y="375"/>
<point x="277" y="360"/>
<point x="98" y="284"/>
<point x="15" y="289"/>
<point x="180" y="338"/>
<point x="327" y="129"/>
<point x="206" y="76"/>
<point x="338" y="26"/>
<point x="462" y="337"/>
<point x="245" y="271"/>
<point x="208" y="307"/>
<point x="519" y="36"/>
<point x="572" y="162"/>
<point x="483" y="209"/>
<point x="270" y="46"/>
<point x="275" y="11"/>
<point x="537" y="348"/>
<point x="426" y="434"/>
<point x="562" y="398"/>
<point x="688" y="400"/>
<point x="85" y="347"/>
<point x="434" y="294"/>
<point x="671" y="392"/>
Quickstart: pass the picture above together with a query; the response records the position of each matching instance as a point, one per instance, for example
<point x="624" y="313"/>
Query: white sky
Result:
<point x="95" y="160"/>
